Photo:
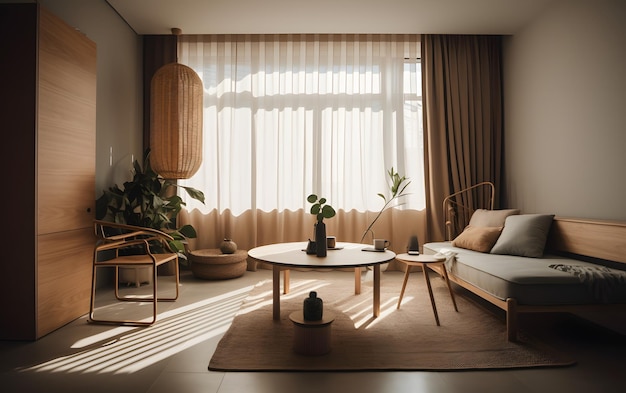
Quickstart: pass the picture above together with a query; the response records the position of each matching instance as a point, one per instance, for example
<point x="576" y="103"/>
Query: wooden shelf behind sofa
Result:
<point x="593" y="238"/>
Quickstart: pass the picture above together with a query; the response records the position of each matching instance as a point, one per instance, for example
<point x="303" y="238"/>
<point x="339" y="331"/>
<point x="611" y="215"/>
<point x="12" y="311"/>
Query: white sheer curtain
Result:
<point x="290" y="115"/>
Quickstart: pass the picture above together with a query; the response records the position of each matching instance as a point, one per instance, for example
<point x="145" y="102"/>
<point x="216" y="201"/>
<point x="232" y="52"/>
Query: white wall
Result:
<point x="329" y="16"/>
<point x="119" y="91"/>
<point x="565" y="111"/>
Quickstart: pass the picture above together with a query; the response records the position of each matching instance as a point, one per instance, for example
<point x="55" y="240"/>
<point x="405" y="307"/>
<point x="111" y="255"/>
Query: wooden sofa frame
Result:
<point x="576" y="238"/>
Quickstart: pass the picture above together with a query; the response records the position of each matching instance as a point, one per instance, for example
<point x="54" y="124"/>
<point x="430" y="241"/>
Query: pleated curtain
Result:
<point x="463" y="119"/>
<point x="290" y="115"/>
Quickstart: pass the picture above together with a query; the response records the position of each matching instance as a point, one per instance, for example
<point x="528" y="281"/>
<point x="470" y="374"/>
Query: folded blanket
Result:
<point x="447" y="253"/>
<point x="601" y="281"/>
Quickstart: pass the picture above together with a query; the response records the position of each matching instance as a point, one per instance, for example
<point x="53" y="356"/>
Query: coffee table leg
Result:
<point x="276" y="292"/>
<point x="286" y="281"/>
<point x="376" y="291"/>
<point x="357" y="280"/>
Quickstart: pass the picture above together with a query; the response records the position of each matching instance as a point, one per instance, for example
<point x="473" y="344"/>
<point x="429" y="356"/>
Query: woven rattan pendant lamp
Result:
<point x="175" y="121"/>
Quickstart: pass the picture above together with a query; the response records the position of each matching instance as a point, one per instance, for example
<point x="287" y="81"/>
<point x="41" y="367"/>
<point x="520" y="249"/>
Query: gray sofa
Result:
<point x="532" y="281"/>
<point x="568" y="277"/>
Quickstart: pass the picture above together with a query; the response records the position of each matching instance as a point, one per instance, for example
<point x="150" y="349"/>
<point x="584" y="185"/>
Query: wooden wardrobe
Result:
<point x="48" y="131"/>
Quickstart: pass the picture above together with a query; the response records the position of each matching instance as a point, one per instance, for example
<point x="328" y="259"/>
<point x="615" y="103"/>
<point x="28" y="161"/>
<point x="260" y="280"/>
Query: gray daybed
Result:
<point x="572" y="274"/>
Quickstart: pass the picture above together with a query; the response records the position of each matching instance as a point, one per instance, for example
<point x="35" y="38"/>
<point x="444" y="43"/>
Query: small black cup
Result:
<point x="311" y="249"/>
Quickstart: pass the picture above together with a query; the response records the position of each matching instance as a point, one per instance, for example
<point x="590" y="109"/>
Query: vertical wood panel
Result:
<point x="66" y="172"/>
<point x="48" y="116"/>
<point x="66" y="137"/>
<point x="63" y="278"/>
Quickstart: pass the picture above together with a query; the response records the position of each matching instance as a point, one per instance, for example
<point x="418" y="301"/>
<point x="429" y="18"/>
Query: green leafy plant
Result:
<point x="397" y="186"/>
<point x="320" y="209"/>
<point x="148" y="201"/>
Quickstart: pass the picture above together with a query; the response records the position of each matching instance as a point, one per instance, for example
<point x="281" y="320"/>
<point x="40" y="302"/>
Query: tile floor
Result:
<point x="172" y="356"/>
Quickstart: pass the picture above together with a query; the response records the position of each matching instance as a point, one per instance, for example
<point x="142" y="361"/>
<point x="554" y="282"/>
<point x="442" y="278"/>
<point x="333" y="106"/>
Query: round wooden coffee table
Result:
<point x="425" y="262"/>
<point x="285" y="256"/>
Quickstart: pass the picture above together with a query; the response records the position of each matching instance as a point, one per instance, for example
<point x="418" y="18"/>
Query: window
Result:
<point x="290" y="115"/>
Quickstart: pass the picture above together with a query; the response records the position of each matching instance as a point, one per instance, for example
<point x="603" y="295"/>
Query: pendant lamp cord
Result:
<point x="176" y="31"/>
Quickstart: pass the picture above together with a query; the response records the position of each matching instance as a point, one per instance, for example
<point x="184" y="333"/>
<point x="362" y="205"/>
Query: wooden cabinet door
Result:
<point x="66" y="127"/>
<point x="63" y="278"/>
<point x="66" y="141"/>
<point x="49" y="92"/>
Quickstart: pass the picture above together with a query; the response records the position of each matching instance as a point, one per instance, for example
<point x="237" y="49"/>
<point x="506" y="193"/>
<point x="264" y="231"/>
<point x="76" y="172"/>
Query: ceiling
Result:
<point x="328" y="16"/>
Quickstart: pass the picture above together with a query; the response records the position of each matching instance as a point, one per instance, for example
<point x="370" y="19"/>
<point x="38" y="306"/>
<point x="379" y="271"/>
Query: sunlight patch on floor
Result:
<point x="129" y="349"/>
<point x="298" y="289"/>
<point x="366" y="318"/>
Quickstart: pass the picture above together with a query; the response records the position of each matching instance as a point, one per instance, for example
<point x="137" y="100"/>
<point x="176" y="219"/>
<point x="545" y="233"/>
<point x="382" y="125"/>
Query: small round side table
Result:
<point x="211" y="264"/>
<point x="425" y="262"/>
<point x="311" y="337"/>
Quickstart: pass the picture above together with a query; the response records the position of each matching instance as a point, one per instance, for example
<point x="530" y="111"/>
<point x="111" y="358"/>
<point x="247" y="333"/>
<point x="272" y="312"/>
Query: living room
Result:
<point x="564" y="93"/>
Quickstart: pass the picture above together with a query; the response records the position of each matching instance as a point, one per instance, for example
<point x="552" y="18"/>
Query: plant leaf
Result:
<point x="404" y="188"/>
<point x="177" y="246"/>
<point x="188" y="231"/>
<point x="328" y="211"/>
<point x="195" y="194"/>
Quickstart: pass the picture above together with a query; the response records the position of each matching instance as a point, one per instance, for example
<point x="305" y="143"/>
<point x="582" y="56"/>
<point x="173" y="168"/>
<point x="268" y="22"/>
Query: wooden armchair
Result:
<point x="121" y="245"/>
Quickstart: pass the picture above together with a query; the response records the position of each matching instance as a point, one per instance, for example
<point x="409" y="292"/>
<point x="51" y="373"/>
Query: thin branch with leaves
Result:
<point x="397" y="186"/>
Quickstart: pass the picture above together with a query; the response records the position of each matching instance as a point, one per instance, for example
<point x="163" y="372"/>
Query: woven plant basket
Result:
<point x="211" y="264"/>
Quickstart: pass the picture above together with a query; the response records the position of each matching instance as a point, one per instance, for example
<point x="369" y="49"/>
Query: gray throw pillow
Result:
<point x="524" y="235"/>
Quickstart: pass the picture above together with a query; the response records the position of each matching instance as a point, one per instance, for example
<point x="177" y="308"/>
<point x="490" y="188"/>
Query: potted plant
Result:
<point x="148" y="201"/>
<point x="321" y="211"/>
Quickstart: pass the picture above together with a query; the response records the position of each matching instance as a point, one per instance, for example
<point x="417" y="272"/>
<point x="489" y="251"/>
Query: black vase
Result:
<point x="313" y="307"/>
<point x="320" y="239"/>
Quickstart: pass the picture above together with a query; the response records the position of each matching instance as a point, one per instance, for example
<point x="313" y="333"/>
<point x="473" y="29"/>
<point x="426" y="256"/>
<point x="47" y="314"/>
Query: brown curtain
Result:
<point x="462" y="95"/>
<point x="158" y="50"/>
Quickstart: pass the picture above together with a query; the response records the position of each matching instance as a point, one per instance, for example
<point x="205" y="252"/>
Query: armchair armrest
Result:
<point x="127" y="235"/>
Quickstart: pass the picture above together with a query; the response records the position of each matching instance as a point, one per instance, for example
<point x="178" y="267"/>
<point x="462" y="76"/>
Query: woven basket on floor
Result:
<point x="211" y="264"/>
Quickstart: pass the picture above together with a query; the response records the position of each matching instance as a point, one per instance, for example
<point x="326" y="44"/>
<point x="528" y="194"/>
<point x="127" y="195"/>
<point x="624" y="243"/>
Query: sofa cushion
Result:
<point x="529" y="280"/>
<point x="479" y="239"/>
<point x="491" y="218"/>
<point x="524" y="235"/>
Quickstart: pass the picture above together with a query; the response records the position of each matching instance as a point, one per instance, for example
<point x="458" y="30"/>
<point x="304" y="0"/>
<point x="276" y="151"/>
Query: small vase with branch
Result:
<point x="397" y="186"/>
<point x="320" y="210"/>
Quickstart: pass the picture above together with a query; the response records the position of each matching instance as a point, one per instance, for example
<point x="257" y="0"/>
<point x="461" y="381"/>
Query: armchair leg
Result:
<point x="154" y="299"/>
<point x="139" y="243"/>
